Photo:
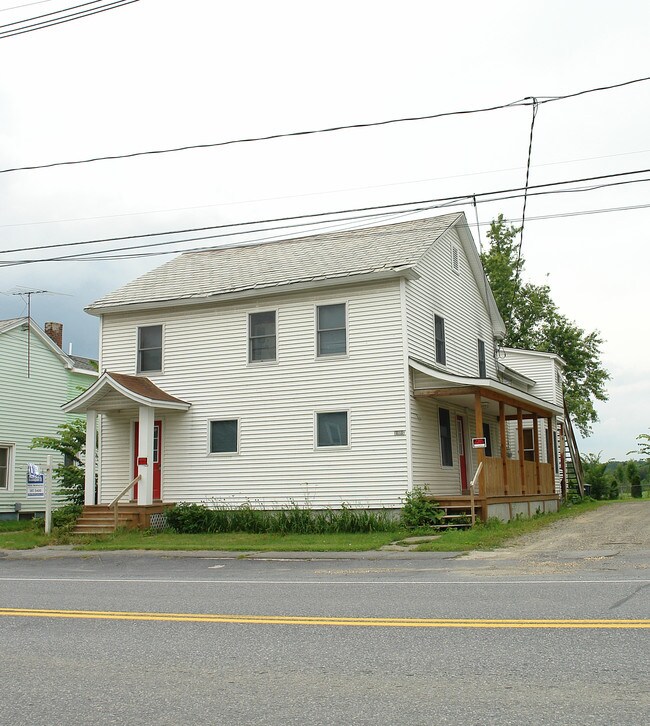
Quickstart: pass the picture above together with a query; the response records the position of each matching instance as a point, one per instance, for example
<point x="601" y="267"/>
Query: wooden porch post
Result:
<point x="563" y="481"/>
<point x="536" y="439"/>
<point x="145" y="455"/>
<point x="520" y="444"/>
<point x="480" y="453"/>
<point x="504" y="451"/>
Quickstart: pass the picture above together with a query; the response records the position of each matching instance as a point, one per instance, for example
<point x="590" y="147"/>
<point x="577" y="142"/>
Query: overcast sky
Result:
<point x="158" y="74"/>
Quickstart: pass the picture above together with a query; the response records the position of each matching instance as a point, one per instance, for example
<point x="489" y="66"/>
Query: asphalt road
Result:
<point x="223" y="640"/>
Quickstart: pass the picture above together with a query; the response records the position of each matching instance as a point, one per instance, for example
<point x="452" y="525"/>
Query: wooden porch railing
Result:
<point x="495" y="481"/>
<point x="114" y="504"/>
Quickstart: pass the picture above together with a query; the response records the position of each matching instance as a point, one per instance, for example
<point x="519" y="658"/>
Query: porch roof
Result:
<point x="118" y="390"/>
<point x="445" y="385"/>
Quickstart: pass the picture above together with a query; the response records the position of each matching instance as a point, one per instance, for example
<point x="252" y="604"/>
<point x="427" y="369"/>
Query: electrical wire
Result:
<point x="65" y="19"/>
<point x="482" y="197"/>
<point x="522" y="102"/>
<point x="109" y="253"/>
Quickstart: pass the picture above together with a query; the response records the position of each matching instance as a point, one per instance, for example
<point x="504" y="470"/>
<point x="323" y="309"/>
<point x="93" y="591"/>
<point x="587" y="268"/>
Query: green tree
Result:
<point x="596" y="476"/>
<point x="534" y="322"/>
<point x="643" y="445"/>
<point x="71" y="442"/>
<point x="632" y="471"/>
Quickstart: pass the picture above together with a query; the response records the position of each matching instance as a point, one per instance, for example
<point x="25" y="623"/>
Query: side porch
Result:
<point x="499" y="447"/>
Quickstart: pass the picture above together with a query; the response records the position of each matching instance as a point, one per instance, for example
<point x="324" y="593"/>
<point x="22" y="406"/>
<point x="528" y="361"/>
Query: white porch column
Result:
<point x="145" y="454"/>
<point x="91" y="457"/>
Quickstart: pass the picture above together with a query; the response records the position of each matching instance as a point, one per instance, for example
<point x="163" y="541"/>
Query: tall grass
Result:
<point x="197" y="519"/>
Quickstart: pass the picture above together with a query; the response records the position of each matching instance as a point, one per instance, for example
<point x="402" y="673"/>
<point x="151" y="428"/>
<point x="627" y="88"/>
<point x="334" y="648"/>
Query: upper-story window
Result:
<point x="331" y="333"/>
<point x="150" y="349"/>
<point x="482" y="369"/>
<point x="441" y="351"/>
<point x="261" y="336"/>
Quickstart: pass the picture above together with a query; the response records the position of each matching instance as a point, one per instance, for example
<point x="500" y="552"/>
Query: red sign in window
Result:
<point x="479" y="443"/>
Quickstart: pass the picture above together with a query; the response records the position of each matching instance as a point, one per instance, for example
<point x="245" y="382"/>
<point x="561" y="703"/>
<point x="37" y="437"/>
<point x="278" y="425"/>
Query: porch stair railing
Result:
<point x="114" y="504"/>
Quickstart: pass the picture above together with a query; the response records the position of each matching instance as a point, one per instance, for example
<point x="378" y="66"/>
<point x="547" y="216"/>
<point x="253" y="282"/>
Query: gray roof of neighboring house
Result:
<point x="10" y="323"/>
<point x="235" y="269"/>
<point x="84" y="364"/>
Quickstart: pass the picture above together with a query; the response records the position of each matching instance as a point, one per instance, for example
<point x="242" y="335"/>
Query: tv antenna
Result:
<point x="27" y="293"/>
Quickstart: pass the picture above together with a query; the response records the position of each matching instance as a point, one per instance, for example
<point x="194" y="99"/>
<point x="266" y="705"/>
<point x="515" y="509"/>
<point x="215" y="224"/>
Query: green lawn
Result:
<point x="23" y="535"/>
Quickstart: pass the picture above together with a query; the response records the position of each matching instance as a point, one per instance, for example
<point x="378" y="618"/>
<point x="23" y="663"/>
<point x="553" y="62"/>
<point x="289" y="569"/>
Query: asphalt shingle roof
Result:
<point x="326" y="256"/>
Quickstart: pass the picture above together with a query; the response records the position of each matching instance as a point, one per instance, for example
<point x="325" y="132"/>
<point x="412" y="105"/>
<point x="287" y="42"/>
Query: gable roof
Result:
<point x="199" y="276"/>
<point x="136" y="390"/>
<point x="75" y="363"/>
<point x="334" y="257"/>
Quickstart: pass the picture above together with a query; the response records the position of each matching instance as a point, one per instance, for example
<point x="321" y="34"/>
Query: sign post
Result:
<point x="48" y="494"/>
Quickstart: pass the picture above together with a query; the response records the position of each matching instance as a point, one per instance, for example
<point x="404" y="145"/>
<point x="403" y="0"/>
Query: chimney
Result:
<point x="55" y="332"/>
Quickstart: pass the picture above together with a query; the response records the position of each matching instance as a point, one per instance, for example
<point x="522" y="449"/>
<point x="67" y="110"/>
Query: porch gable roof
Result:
<point x="134" y="390"/>
<point x="488" y="387"/>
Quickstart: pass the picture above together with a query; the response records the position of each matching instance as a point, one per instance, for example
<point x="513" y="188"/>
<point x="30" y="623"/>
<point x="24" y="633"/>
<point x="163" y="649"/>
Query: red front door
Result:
<point x="460" y="432"/>
<point x="157" y="457"/>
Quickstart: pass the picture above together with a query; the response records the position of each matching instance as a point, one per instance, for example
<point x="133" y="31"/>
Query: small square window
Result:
<point x="224" y="437"/>
<point x="332" y="429"/>
<point x="261" y="337"/>
<point x="441" y="351"/>
<point x="150" y="349"/>
<point x="331" y="329"/>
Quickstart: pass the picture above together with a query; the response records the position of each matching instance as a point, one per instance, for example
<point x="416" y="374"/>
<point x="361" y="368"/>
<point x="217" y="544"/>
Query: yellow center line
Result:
<point x="595" y="623"/>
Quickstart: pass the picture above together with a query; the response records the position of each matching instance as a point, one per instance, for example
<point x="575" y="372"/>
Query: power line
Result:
<point x="111" y="5"/>
<point x="25" y="5"/>
<point x="528" y="101"/>
<point x="109" y="253"/>
<point x="481" y="197"/>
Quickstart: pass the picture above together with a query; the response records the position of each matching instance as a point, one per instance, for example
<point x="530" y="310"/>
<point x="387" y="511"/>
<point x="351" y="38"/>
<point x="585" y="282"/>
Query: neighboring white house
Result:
<point x="346" y="367"/>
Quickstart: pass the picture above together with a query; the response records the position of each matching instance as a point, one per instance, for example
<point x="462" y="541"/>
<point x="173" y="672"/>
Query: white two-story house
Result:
<point x="340" y="368"/>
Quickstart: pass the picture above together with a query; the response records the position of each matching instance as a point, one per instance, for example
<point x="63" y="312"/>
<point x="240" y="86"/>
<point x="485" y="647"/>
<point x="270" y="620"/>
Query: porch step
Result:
<point x="100" y="518"/>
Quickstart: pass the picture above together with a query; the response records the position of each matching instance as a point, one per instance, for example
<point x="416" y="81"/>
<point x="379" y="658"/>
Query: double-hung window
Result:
<point x="332" y="429"/>
<point x="262" y="336"/>
<point x="482" y="369"/>
<point x="150" y="349"/>
<point x="6" y="463"/>
<point x="441" y="352"/>
<point x="444" y="422"/>
<point x="331" y="333"/>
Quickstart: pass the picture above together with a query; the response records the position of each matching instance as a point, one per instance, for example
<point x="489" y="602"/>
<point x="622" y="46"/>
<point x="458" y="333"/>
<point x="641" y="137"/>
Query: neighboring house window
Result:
<point x="488" y="439"/>
<point x="224" y="436"/>
<point x="441" y="353"/>
<point x="261" y="336"/>
<point x="529" y="445"/>
<point x="332" y="429"/>
<point x="6" y="463"/>
<point x="444" y="421"/>
<point x="556" y="459"/>
<point x="482" y="370"/>
<point x="150" y="349"/>
<point x="331" y="330"/>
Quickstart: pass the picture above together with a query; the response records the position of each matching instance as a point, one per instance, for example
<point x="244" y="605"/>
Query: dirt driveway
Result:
<point x="609" y="538"/>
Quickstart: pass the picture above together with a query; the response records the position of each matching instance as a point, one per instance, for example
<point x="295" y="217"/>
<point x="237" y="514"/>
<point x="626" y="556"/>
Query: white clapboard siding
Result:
<point x="205" y="363"/>
<point x="544" y="368"/>
<point x="455" y="297"/>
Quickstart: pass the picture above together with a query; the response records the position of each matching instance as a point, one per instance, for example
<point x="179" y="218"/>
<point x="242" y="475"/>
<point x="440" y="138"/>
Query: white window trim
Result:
<point x="332" y="448"/>
<point x="222" y="454"/>
<point x="338" y="356"/>
<point x="256" y="363"/>
<point x="11" y="463"/>
<point x="162" y="349"/>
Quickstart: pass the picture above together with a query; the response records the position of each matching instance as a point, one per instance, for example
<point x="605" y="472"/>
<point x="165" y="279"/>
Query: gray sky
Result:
<point x="160" y="74"/>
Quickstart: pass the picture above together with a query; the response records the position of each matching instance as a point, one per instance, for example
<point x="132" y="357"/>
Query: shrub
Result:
<point x="198" y="518"/>
<point x="420" y="511"/>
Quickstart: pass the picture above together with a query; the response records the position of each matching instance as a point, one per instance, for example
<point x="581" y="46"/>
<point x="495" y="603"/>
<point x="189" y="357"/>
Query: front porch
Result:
<point x="515" y="472"/>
